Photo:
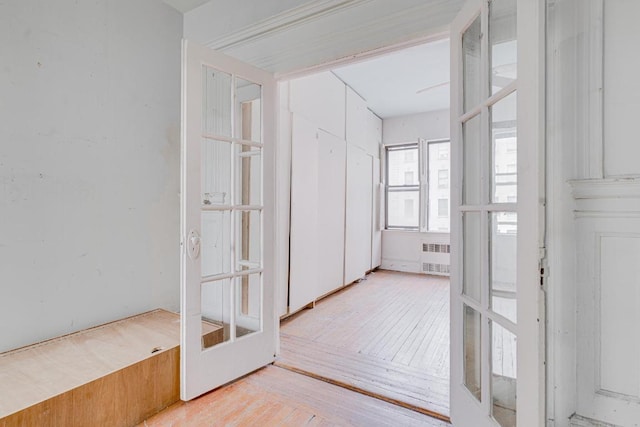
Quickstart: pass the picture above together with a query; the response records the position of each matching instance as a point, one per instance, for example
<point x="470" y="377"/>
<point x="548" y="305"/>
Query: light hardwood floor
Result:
<point x="274" y="396"/>
<point x="387" y="336"/>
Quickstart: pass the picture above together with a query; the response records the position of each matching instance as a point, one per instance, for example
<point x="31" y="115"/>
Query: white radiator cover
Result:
<point x="415" y="252"/>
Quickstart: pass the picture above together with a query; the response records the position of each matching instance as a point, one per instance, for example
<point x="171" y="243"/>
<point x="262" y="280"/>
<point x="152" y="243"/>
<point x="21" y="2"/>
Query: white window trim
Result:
<point x="423" y="183"/>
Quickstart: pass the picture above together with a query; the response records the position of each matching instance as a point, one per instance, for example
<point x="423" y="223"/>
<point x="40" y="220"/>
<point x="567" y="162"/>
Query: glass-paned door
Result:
<point x="227" y="309"/>
<point x="497" y="369"/>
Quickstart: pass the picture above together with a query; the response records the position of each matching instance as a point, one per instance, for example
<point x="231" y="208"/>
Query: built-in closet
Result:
<point x="335" y="218"/>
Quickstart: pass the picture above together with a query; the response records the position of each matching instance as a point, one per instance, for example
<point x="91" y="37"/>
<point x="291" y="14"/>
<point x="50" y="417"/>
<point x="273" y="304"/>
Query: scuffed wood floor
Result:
<point x="274" y="396"/>
<point x="387" y="336"/>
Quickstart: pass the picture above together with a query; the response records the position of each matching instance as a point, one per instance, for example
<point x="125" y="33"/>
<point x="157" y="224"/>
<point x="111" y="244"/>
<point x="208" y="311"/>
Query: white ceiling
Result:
<point x="410" y="81"/>
<point x="185" y="5"/>
<point x="289" y="36"/>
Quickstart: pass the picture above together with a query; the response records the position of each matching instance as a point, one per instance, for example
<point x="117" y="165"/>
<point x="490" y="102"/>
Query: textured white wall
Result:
<point x="429" y="126"/>
<point x="89" y="164"/>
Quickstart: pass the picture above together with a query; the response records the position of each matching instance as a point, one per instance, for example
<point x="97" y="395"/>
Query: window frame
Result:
<point x="422" y="187"/>
<point x="400" y="188"/>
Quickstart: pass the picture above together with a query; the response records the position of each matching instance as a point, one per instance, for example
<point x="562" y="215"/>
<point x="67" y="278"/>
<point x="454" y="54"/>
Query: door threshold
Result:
<point x="430" y="413"/>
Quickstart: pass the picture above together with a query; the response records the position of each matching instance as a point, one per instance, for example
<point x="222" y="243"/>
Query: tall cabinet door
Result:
<point x="305" y="233"/>
<point x="228" y="326"/>
<point x="497" y="129"/>
<point x="376" y="227"/>
<point x="332" y="157"/>
<point x="358" y="214"/>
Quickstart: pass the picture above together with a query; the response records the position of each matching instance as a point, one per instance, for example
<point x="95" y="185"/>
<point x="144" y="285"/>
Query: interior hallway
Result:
<point x="386" y="336"/>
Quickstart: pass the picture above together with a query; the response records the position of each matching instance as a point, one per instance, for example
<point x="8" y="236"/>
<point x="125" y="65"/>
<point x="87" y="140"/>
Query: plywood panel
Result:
<point x="332" y="158"/>
<point x="619" y="302"/>
<point x="110" y="375"/>
<point x="358" y="214"/>
<point x="303" y="269"/>
<point x="320" y="98"/>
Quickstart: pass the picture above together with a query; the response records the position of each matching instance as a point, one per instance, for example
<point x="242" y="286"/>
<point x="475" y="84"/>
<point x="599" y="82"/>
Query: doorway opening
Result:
<point x="366" y="148"/>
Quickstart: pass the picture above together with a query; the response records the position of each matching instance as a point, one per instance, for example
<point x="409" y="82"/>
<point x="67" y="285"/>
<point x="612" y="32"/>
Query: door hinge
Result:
<point x="543" y="267"/>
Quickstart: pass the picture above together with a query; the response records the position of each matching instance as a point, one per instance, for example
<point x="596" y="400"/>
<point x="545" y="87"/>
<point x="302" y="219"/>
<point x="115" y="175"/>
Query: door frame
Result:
<point x="532" y="73"/>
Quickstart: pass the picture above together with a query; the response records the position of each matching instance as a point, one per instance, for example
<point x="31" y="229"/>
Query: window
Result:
<point x="403" y="187"/>
<point x="408" y="178"/>
<point x="443" y="178"/>
<point x="443" y="207"/>
<point x="418" y="186"/>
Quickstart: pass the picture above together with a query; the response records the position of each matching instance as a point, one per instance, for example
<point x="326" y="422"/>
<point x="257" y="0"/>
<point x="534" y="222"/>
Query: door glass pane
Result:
<point x="248" y="304"/>
<point x="504" y="152"/>
<point x="249" y="240"/>
<point x="248" y="175"/>
<point x="403" y="209"/>
<point x="439" y="178"/>
<point x="215" y="302"/>
<point x="503" y="43"/>
<point x="248" y="110"/>
<point x="472" y="354"/>
<point x="216" y="111"/>
<point x="504" y="231"/>
<point x="402" y="168"/>
<point x="472" y="155"/>
<point x="216" y="172"/>
<point x="216" y="243"/>
<point x="471" y="48"/>
<point x="503" y="375"/>
<point x="471" y="230"/>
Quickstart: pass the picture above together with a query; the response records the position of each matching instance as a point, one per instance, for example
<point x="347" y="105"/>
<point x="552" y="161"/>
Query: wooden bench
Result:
<point x="116" y="374"/>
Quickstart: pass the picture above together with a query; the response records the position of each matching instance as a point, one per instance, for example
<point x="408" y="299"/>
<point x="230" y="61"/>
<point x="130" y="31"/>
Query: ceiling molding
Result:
<point x="283" y="22"/>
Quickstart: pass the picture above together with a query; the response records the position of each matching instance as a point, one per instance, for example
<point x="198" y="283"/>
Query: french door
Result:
<point x="228" y="324"/>
<point x="497" y="302"/>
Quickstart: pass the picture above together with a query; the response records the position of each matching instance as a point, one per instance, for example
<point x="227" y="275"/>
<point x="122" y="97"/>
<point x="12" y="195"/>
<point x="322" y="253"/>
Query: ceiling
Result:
<point x="410" y="81"/>
<point x="287" y="37"/>
<point x="185" y="5"/>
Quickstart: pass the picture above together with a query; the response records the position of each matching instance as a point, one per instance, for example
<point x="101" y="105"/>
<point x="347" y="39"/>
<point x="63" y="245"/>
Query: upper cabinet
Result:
<point x="357" y="120"/>
<point x="374" y="135"/>
<point x="320" y="98"/>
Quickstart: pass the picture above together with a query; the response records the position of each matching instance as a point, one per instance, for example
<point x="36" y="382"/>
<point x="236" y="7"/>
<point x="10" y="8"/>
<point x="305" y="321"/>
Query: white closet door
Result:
<point x="376" y="231"/>
<point x="303" y="268"/>
<point x="358" y="214"/>
<point x="332" y="158"/>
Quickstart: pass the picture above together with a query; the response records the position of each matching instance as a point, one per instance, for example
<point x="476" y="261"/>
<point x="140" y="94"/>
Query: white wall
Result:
<point x="89" y="165"/>
<point x="402" y="250"/>
<point x="429" y="126"/>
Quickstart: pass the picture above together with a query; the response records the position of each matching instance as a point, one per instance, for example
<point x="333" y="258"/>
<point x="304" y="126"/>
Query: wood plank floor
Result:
<point x="274" y="396"/>
<point x="387" y="336"/>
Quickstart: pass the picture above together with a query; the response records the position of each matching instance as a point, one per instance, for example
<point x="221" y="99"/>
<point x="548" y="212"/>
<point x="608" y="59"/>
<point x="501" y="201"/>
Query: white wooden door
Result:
<point x="358" y="214"/>
<point x="497" y="326"/>
<point x="228" y="327"/>
<point x="304" y="237"/>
